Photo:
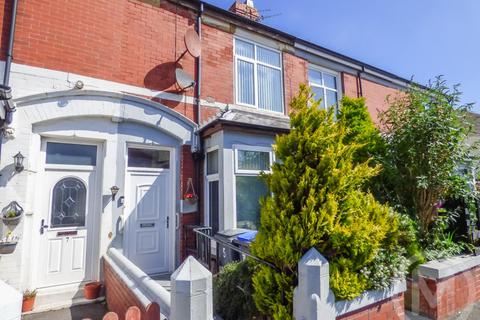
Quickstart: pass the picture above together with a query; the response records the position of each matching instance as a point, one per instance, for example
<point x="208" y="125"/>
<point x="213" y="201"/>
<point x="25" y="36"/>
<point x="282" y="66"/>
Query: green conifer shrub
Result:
<point x="318" y="200"/>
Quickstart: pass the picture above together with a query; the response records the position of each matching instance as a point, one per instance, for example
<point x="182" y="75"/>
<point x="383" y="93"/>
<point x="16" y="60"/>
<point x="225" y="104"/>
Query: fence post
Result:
<point x="312" y="299"/>
<point x="191" y="292"/>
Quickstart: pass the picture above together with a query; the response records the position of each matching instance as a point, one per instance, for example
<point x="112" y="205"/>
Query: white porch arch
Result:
<point x="119" y="107"/>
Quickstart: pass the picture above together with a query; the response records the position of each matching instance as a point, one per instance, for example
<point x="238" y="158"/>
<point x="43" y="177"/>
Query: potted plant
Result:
<point x="91" y="290"/>
<point x="8" y="244"/>
<point x="28" y="300"/>
<point x="12" y="213"/>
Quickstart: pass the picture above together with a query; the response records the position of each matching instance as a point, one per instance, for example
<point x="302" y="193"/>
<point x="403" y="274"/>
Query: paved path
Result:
<point x="93" y="311"/>
<point x="471" y="313"/>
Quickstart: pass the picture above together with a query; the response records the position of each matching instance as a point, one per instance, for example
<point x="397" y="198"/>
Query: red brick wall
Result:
<point x="389" y="309"/>
<point x="374" y="93"/>
<point x="126" y="41"/>
<point x="295" y="73"/>
<point x="441" y="298"/>
<point x="120" y="297"/>
<point x="187" y="236"/>
<point x="217" y="65"/>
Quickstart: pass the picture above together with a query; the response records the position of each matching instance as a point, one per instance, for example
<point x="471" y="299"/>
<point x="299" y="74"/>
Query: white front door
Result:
<point x="148" y="208"/>
<point x="69" y="198"/>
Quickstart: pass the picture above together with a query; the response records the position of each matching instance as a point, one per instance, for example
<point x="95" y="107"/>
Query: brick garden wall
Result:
<point x="120" y="297"/>
<point x="441" y="298"/>
<point x="389" y="309"/>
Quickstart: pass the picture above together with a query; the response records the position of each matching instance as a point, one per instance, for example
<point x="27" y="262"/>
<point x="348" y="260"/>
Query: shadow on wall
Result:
<point x="6" y="174"/>
<point x="162" y="77"/>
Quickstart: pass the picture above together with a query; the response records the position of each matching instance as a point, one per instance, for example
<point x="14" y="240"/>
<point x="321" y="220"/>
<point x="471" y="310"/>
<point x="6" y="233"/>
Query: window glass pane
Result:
<point x="148" y="158"/>
<point x="246" y="91"/>
<point x="315" y="77"/>
<point x="318" y="93"/>
<point x="249" y="190"/>
<point x="269" y="88"/>
<point x="253" y="160"/>
<point x="74" y="154"/>
<point x="244" y="49"/>
<point x="268" y="56"/>
<point x="331" y="98"/>
<point x="68" y="203"/>
<point x="212" y="162"/>
<point x="213" y="205"/>
<point x="330" y="81"/>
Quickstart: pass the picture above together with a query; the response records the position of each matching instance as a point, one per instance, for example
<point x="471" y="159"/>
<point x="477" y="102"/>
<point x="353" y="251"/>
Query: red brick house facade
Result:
<point x="101" y="74"/>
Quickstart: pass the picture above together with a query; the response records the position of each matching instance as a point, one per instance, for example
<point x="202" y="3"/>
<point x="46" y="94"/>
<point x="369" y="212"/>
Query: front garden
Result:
<point x="376" y="203"/>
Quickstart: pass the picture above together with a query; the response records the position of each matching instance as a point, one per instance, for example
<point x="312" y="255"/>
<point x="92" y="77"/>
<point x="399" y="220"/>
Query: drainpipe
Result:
<point x="8" y="63"/>
<point x="198" y="93"/>
<point x="5" y="91"/>
<point x="199" y="65"/>
<point x="360" y="87"/>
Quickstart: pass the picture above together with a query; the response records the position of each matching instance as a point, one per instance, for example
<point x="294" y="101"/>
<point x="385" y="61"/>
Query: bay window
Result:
<point x="249" y="187"/>
<point x="258" y="76"/>
<point x="325" y="86"/>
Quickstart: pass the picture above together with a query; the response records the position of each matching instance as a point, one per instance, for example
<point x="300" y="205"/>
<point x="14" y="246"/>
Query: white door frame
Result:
<point x="171" y="207"/>
<point x="94" y="232"/>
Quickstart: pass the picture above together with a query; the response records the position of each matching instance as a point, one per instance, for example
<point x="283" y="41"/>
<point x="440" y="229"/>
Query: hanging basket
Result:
<point x="12" y="213"/>
<point x="8" y="247"/>
<point x="190" y="195"/>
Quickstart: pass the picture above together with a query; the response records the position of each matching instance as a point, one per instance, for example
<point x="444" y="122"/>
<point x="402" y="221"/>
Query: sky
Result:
<point x="410" y="38"/>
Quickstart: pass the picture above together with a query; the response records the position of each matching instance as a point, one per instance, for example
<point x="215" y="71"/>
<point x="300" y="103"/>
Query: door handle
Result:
<point x="43" y="226"/>
<point x="168" y="222"/>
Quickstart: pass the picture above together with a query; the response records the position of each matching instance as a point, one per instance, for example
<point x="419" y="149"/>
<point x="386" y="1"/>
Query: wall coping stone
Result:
<point x="145" y="288"/>
<point x="439" y="269"/>
<point x="370" y="298"/>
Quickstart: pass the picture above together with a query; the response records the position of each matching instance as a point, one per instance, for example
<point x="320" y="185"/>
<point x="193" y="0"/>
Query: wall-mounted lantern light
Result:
<point x="18" y="161"/>
<point x="114" y="191"/>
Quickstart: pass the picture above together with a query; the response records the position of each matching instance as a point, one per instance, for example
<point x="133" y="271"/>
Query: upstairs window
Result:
<point x="258" y="76"/>
<point x="324" y="86"/>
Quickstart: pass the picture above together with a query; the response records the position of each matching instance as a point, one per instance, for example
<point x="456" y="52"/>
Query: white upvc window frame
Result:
<point x="330" y="72"/>
<point x="210" y="178"/>
<point x="255" y="63"/>
<point x="246" y="173"/>
<point x="237" y="148"/>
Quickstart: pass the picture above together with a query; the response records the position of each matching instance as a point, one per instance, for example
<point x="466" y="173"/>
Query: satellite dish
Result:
<point x="193" y="43"/>
<point x="184" y="80"/>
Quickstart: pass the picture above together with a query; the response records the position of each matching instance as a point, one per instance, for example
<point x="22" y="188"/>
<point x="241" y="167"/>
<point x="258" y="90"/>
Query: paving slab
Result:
<point x="94" y="311"/>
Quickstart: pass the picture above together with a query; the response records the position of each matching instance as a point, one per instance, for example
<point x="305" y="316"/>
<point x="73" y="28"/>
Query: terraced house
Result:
<point x="137" y="118"/>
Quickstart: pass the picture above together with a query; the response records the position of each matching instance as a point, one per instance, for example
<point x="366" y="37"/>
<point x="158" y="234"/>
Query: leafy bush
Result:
<point x="318" y="199"/>
<point x="386" y="266"/>
<point x="426" y="132"/>
<point x="233" y="291"/>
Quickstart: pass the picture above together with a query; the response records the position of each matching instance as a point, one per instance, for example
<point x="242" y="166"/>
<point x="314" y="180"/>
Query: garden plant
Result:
<point x="319" y="199"/>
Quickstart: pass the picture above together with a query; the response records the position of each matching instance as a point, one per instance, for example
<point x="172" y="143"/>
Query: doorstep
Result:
<point x="52" y="303"/>
<point x="94" y="311"/>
